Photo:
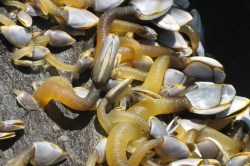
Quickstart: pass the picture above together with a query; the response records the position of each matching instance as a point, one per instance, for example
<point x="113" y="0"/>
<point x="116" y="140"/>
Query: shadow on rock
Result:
<point x="68" y="123"/>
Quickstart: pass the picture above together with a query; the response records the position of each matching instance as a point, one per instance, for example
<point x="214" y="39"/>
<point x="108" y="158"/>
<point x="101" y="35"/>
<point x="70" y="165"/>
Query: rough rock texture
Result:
<point x="77" y="132"/>
<point x="73" y="131"/>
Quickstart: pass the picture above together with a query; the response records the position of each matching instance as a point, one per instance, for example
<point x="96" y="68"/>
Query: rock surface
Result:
<point x="77" y="132"/>
<point x="55" y="123"/>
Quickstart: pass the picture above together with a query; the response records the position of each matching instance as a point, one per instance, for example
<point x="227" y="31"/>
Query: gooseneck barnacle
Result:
<point x="136" y="72"/>
<point x="57" y="88"/>
<point x="104" y="24"/>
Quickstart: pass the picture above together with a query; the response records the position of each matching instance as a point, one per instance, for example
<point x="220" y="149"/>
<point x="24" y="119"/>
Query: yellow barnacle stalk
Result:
<point x="156" y="74"/>
<point x="116" y="149"/>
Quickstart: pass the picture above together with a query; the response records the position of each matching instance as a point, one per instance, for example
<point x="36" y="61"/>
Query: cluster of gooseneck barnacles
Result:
<point x="143" y="72"/>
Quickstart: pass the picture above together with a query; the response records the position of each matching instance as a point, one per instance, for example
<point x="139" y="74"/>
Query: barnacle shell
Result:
<point x="151" y="9"/>
<point x="16" y="35"/>
<point x="47" y="153"/>
<point x="81" y="18"/>
<point x="25" y="18"/>
<point x="101" y="5"/>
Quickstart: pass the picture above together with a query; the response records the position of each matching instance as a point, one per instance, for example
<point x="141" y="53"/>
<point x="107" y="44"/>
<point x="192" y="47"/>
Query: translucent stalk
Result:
<point x="118" y="139"/>
<point x="51" y="8"/>
<point x="226" y="142"/>
<point x="42" y="40"/>
<point x="155" y="51"/>
<point x="139" y="141"/>
<point x="192" y="34"/>
<point x="190" y="136"/>
<point x="141" y="151"/>
<point x="123" y="72"/>
<point x="105" y="21"/>
<point x="75" y="3"/>
<point x="59" y="64"/>
<point x="148" y="108"/>
<point x="156" y="74"/>
<point x="219" y="124"/>
<point x="133" y="45"/>
<point x="15" y="4"/>
<point x="120" y="116"/>
<point x="58" y="89"/>
<point x="102" y="115"/>
<point x="25" y="51"/>
<point x="6" y="21"/>
<point x="125" y="26"/>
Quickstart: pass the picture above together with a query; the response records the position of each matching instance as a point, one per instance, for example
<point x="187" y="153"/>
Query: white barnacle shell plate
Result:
<point x="105" y="62"/>
<point x="27" y="101"/>
<point x="172" y="148"/>
<point x="189" y="124"/>
<point x="101" y="148"/>
<point x="209" y="61"/>
<point x="47" y="153"/>
<point x="101" y="5"/>
<point x="157" y="127"/>
<point x="173" y="76"/>
<point x="172" y="39"/>
<point x="200" y="50"/>
<point x="173" y="20"/>
<point x="238" y="104"/>
<point x="25" y="18"/>
<point x="33" y="10"/>
<point x="182" y="17"/>
<point x="205" y="68"/>
<point x="39" y="52"/>
<point x="199" y="70"/>
<point x="81" y="18"/>
<point x="16" y="35"/>
<point x="152" y="9"/>
<point x="228" y="94"/>
<point x="60" y="38"/>
<point x="167" y="22"/>
<point x="81" y="91"/>
<point x="205" y="98"/>
<point x="239" y="159"/>
<point x="174" y="90"/>
<point x="185" y="52"/>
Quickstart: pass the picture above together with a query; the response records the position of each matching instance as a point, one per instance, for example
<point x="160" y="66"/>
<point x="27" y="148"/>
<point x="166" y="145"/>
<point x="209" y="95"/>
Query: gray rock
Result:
<point x="57" y="121"/>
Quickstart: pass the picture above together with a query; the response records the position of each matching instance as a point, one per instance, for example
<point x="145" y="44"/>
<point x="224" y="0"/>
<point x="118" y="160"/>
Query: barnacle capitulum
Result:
<point x="166" y="152"/>
<point x="25" y="18"/>
<point x="80" y="18"/>
<point x="40" y="153"/>
<point x="174" y="19"/>
<point x="105" y="61"/>
<point x="149" y="10"/>
<point x="136" y="73"/>
<point x="16" y="35"/>
<point x="8" y="128"/>
<point x="101" y="6"/>
<point x="59" y="38"/>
